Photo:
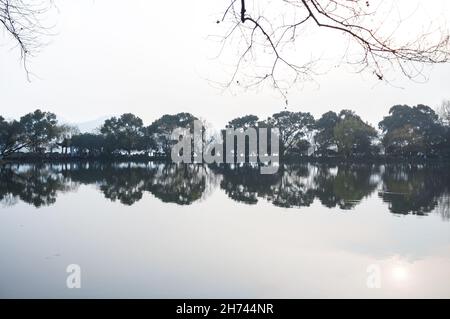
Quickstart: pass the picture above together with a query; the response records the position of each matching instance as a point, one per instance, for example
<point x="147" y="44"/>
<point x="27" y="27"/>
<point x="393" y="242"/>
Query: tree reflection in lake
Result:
<point x="244" y="183"/>
<point x="345" y="186"/>
<point x="171" y="183"/>
<point x="416" y="189"/>
<point x="291" y="186"/>
<point x="298" y="185"/>
<point x="408" y="189"/>
<point x="180" y="184"/>
<point x="37" y="185"/>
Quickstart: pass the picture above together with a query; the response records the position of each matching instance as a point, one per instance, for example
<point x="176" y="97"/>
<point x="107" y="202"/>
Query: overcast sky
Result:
<point x="151" y="58"/>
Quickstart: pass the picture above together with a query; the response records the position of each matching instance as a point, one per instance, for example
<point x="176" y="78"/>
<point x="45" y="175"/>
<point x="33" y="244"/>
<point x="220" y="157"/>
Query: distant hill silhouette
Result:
<point x="88" y="126"/>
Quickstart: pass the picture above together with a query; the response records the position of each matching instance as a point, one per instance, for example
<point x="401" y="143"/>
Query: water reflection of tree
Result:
<point x="408" y="189"/>
<point x="37" y="185"/>
<point x="344" y="186"/>
<point x="295" y="187"/>
<point x="298" y="185"/>
<point x="416" y="189"/>
<point x="289" y="187"/>
<point x="245" y="183"/>
<point x="127" y="183"/>
<point x="180" y="184"/>
<point x="123" y="183"/>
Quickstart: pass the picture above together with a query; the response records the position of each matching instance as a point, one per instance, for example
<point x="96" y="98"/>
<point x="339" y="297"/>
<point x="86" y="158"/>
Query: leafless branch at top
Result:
<point x="256" y="33"/>
<point x="22" y="20"/>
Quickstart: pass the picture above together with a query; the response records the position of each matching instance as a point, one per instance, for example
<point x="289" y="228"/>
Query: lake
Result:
<point x="176" y="231"/>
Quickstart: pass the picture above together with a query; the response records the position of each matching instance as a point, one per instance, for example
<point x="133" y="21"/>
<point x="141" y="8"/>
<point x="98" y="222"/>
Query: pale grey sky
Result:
<point x="151" y="58"/>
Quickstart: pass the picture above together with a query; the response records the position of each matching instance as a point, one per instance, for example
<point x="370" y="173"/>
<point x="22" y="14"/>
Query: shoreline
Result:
<point x="144" y="159"/>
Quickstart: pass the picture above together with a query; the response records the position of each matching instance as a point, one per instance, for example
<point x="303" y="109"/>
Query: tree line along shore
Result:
<point x="417" y="132"/>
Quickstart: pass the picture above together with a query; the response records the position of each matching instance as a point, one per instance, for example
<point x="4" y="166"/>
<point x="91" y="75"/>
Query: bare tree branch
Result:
<point x="377" y="50"/>
<point x="22" y="20"/>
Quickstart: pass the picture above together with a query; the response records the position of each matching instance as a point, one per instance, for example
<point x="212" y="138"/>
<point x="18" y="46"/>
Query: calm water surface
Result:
<point x="157" y="230"/>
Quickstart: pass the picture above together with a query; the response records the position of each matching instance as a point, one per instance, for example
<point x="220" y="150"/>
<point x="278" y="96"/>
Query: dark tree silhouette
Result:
<point x="124" y="133"/>
<point x="407" y="132"/>
<point x="412" y="131"/>
<point x="160" y="131"/>
<point x="244" y="122"/>
<point x="352" y="135"/>
<point x="88" y="142"/>
<point x="11" y="140"/>
<point x="294" y="127"/>
<point x="325" y="132"/>
<point x="39" y="130"/>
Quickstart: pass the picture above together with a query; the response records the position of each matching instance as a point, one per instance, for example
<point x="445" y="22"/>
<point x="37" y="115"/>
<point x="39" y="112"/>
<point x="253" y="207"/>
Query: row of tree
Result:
<point x="417" y="131"/>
